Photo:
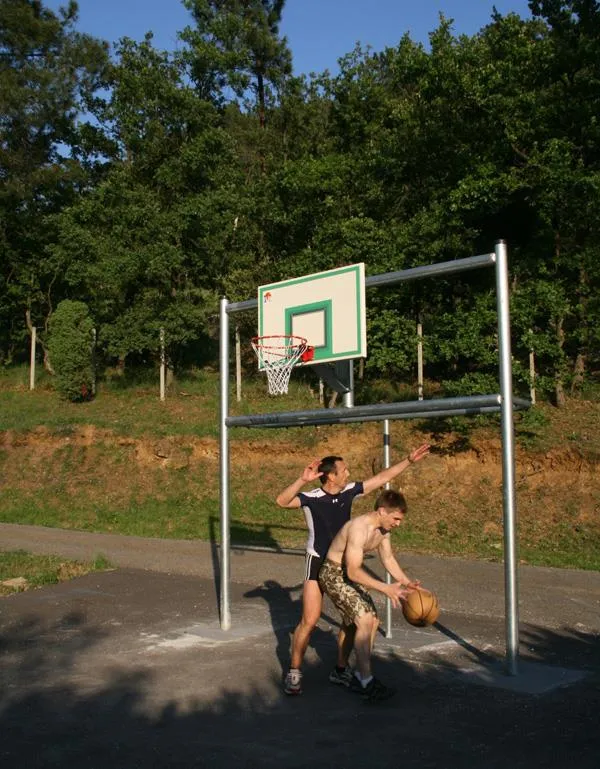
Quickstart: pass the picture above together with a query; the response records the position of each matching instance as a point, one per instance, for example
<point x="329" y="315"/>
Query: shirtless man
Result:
<point x="326" y="510"/>
<point x="347" y="583"/>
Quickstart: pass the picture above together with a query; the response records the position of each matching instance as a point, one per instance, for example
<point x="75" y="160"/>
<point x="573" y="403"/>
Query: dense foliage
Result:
<point x="148" y="184"/>
<point x="71" y="348"/>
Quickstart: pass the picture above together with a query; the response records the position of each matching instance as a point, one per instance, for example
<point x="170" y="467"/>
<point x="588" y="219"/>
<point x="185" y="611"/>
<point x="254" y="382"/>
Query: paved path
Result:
<point x="130" y="668"/>
<point x="548" y="596"/>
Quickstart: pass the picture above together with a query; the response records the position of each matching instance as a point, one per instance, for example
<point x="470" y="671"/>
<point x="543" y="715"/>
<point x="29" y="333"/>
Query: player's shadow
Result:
<point x="285" y="611"/>
<point x="259" y="538"/>
<point x="481" y="656"/>
<point x="72" y="691"/>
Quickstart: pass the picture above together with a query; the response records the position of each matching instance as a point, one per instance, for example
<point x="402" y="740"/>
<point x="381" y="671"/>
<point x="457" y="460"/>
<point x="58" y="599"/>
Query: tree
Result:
<point x="70" y="344"/>
<point x="236" y="45"/>
<point x="46" y="70"/>
<point x="148" y="246"/>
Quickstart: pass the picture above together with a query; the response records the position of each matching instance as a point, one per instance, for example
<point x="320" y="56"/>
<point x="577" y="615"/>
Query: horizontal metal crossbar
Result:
<point x="390" y="278"/>
<point x="437" y="407"/>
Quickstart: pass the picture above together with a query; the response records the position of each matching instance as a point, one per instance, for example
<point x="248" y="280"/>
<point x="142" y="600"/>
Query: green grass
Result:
<point x="66" y="489"/>
<point x="566" y="549"/>
<point x="191" y="407"/>
<point x="41" y="570"/>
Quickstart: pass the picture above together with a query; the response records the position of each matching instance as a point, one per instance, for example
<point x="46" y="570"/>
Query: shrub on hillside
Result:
<point x="71" y="350"/>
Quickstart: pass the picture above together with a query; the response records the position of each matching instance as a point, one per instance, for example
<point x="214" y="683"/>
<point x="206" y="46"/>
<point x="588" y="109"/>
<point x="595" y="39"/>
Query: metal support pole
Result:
<point x="388" y="576"/>
<point x="508" y="462"/>
<point x="238" y="365"/>
<point x="162" y="364"/>
<point x="224" y="466"/>
<point x="420" y="358"/>
<point x="349" y="396"/>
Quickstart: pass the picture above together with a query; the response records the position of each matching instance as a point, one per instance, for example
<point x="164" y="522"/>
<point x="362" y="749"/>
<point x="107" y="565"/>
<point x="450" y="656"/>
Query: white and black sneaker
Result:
<point x="293" y="682"/>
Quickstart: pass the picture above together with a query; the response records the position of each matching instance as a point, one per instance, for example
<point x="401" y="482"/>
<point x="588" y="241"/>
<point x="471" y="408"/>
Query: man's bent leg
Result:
<point x="345" y="642"/>
<point x="312" y="603"/>
<point x="362" y="642"/>
<point x="374" y="633"/>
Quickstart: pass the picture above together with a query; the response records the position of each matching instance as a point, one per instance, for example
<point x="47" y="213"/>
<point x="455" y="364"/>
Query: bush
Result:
<point x="71" y="350"/>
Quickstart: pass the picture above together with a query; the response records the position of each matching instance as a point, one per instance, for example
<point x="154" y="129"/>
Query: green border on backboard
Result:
<point x="335" y="304"/>
<point x="326" y="307"/>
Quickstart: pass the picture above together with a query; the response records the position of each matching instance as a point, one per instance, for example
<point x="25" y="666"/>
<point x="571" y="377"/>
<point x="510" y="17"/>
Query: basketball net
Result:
<point x="277" y="355"/>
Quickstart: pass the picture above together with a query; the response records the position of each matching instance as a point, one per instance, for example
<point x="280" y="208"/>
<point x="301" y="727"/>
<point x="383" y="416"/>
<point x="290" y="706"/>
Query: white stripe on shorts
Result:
<point x="308" y="564"/>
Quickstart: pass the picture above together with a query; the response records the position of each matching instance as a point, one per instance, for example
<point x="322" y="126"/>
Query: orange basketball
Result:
<point x="421" y="607"/>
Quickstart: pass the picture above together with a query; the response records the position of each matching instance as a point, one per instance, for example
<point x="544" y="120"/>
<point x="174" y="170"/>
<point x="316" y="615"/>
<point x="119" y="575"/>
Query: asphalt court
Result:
<point x="131" y="668"/>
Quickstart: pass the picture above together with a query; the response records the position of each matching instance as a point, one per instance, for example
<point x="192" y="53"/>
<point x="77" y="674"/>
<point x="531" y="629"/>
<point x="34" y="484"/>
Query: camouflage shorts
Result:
<point x="349" y="597"/>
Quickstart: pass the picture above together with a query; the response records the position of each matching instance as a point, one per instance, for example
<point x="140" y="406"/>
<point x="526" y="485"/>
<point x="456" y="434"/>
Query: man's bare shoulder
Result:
<point x="359" y="525"/>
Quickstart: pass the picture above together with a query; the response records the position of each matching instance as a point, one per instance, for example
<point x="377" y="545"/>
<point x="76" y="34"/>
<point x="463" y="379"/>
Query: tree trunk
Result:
<point x="578" y="372"/>
<point x="559" y="389"/>
<point x="580" y="366"/>
<point x="261" y="99"/>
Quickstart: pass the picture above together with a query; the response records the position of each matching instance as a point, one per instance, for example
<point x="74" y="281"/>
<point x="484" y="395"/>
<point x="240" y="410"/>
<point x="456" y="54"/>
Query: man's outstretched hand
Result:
<point x="419" y="453"/>
<point x="310" y="472"/>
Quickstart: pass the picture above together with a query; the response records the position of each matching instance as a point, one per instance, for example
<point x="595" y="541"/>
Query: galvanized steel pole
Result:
<point x="225" y="612"/>
<point x="508" y="462"/>
<point x="388" y="577"/>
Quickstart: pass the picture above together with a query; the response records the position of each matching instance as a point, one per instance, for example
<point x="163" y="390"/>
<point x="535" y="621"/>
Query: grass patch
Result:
<point x="38" y="570"/>
<point x="105" y="466"/>
<point x="191" y="408"/>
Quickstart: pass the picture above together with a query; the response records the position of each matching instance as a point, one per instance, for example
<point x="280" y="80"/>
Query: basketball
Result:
<point x="421" y="607"/>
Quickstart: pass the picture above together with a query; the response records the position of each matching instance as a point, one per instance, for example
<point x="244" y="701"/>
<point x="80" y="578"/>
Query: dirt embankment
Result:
<point x="454" y="491"/>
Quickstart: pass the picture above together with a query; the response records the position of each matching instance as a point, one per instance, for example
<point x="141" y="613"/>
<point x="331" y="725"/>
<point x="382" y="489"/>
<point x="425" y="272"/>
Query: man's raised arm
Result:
<point x="385" y="476"/>
<point x="289" y="496"/>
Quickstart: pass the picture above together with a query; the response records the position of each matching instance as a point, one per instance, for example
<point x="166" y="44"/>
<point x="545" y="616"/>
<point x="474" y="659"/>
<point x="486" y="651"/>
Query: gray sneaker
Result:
<point x="293" y="682"/>
<point x="344" y="678"/>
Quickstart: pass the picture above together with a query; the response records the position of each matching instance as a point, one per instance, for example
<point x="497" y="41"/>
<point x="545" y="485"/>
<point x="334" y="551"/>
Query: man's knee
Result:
<point x="308" y="624"/>
<point x="366" y="621"/>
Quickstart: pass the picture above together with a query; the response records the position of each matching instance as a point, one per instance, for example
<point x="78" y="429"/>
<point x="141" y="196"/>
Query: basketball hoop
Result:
<point x="277" y="355"/>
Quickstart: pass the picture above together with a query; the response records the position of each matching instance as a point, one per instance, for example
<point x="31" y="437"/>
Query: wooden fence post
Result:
<point x="32" y="358"/>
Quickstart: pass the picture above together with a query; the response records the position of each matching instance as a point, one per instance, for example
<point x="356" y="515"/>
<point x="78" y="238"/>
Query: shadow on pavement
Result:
<point x="49" y="718"/>
<point x="282" y="608"/>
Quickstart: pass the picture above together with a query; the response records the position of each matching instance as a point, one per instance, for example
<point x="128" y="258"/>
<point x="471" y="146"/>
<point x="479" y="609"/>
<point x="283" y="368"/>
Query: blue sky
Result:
<point x="319" y="32"/>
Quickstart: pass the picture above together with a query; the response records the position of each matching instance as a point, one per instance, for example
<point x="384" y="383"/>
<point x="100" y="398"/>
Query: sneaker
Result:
<point x="375" y="691"/>
<point x="344" y="678"/>
<point x="293" y="682"/>
<point x="355" y="685"/>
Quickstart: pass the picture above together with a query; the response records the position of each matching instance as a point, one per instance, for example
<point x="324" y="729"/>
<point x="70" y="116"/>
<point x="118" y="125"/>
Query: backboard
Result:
<point x="326" y="308"/>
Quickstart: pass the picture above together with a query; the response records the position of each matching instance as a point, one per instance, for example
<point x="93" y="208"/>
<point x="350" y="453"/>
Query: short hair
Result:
<point x="391" y="500"/>
<point x="327" y="465"/>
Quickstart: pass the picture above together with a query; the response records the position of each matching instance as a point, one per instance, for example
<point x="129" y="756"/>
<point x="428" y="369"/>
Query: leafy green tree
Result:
<point x="47" y="70"/>
<point x="70" y="344"/>
<point x="148" y="246"/>
<point x="236" y="45"/>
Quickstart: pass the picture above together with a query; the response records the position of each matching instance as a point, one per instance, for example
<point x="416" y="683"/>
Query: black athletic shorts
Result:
<point x="312" y="566"/>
